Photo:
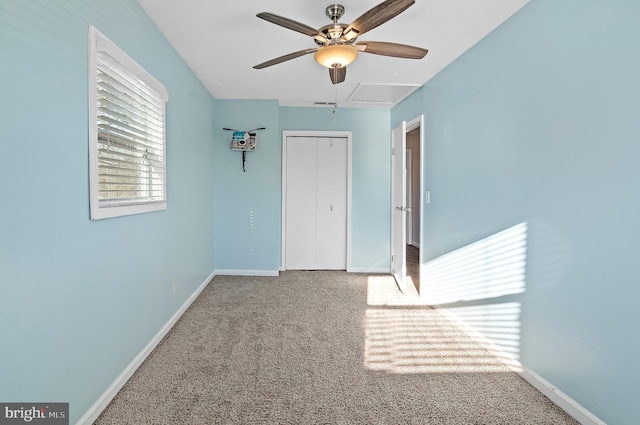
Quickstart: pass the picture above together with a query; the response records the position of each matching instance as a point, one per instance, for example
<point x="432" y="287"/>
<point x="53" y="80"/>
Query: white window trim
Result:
<point x="98" y="42"/>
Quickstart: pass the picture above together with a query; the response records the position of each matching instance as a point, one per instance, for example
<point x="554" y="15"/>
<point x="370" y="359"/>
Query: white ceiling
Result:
<point x="221" y="41"/>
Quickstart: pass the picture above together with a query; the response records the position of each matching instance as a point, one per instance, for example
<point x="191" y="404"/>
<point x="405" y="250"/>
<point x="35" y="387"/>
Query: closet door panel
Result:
<point x="301" y="241"/>
<point x="331" y="203"/>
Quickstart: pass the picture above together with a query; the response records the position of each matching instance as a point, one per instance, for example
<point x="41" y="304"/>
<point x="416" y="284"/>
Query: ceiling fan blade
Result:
<point x="338" y="75"/>
<point x="391" y="49"/>
<point x="378" y="15"/>
<point x="289" y="23"/>
<point x="284" y="58"/>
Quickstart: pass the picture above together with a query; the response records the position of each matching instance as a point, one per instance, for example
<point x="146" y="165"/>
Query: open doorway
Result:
<point x="414" y="210"/>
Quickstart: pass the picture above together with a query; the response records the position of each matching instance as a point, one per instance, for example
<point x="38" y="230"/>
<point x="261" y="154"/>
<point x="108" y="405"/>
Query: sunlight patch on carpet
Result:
<point x="422" y="341"/>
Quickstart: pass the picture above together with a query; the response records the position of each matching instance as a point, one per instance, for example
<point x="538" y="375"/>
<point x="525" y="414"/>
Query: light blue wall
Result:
<point x="248" y="203"/>
<point x="538" y="124"/>
<point x="79" y="299"/>
<point x="371" y="189"/>
<point x="408" y="109"/>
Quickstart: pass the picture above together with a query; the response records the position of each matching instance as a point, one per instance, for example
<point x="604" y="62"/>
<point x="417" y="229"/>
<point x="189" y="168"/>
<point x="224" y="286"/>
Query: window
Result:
<point x="126" y="133"/>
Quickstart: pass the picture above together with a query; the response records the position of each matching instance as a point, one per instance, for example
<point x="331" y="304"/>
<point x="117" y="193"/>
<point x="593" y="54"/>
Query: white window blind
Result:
<point x="128" y="137"/>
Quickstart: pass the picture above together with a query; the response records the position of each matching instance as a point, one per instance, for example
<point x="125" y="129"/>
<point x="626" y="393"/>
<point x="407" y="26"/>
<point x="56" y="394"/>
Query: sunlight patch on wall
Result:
<point x="489" y="268"/>
<point x="472" y="283"/>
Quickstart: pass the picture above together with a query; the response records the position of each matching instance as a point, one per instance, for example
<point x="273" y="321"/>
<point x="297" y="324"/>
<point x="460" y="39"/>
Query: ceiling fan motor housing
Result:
<point x="334" y="34"/>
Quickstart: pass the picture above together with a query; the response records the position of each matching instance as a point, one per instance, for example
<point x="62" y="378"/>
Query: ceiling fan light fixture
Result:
<point x="336" y="55"/>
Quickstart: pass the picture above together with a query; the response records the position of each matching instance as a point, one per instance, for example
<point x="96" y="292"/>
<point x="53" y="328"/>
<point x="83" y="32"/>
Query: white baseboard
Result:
<point x="234" y="272"/>
<point x="372" y="270"/>
<point x="566" y="403"/>
<point x="359" y="270"/>
<point x="563" y="401"/>
<point x="94" y="411"/>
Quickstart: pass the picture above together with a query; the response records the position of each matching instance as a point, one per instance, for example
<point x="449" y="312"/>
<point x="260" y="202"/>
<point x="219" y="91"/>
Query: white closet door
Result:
<point x="331" y="200"/>
<point x="301" y="203"/>
<point x="316" y="204"/>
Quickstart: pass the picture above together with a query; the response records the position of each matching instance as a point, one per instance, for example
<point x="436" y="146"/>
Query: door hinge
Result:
<point x="393" y="151"/>
<point x="392" y="258"/>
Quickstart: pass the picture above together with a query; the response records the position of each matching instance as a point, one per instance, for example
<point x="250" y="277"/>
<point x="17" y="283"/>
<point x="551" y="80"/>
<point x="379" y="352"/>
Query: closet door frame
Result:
<point x="296" y="133"/>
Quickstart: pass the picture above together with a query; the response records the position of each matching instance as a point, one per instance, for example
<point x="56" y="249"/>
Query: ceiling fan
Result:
<point x="337" y="42"/>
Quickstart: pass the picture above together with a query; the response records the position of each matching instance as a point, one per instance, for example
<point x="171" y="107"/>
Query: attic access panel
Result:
<point x="381" y="94"/>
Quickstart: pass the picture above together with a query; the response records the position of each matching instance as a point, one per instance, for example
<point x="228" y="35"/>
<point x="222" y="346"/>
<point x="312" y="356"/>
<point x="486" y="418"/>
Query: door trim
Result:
<point x="300" y="133"/>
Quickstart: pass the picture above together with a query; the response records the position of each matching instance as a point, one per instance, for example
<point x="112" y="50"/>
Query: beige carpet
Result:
<point x="322" y="348"/>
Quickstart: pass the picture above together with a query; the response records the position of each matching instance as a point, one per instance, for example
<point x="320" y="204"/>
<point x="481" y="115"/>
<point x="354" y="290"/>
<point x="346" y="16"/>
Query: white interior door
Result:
<point x="398" y="205"/>
<point x="316" y="203"/>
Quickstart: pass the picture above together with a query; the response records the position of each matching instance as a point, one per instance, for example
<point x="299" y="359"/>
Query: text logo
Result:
<point x="34" y="413"/>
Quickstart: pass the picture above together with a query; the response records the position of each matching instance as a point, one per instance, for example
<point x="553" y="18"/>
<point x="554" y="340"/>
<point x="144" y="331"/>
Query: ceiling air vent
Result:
<point x="333" y="104"/>
<point x="380" y="94"/>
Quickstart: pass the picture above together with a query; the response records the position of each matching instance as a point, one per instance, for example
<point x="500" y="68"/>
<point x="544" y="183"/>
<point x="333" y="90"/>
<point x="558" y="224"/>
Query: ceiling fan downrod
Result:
<point x="335" y="12"/>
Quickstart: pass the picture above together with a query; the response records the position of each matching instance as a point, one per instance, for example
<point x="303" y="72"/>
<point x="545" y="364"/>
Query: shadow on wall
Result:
<point x="476" y="284"/>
